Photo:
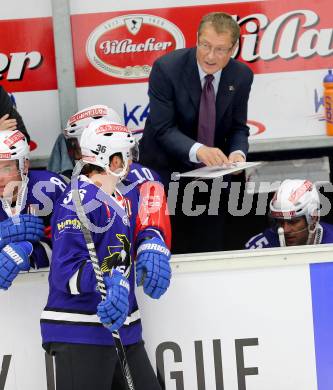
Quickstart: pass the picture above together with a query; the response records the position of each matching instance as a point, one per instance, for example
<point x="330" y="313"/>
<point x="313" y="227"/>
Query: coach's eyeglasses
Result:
<point x="218" y="51"/>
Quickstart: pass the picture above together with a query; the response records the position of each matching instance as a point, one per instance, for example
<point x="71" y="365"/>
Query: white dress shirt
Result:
<point x="215" y="82"/>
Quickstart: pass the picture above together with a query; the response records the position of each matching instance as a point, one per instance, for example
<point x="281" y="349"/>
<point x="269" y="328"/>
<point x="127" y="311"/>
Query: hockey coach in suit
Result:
<point x="198" y="113"/>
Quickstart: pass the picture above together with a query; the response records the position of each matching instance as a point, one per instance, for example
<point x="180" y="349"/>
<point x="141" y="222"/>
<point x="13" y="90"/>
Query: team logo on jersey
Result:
<point x="126" y="46"/>
<point x="125" y="204"/>
<point x="120" y="257"/>
<point x="125" y="220"/>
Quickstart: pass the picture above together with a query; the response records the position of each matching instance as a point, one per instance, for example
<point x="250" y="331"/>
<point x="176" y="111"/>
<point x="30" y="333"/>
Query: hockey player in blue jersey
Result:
<point x="78" y="122"/>
<point x="123" y="228"/>
<point x="24" y="237"/>
<point x="295" y="218"/>
<point x="137" y="174"/>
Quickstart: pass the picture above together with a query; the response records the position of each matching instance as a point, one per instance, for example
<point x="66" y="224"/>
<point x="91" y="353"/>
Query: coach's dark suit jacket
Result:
<point x="174" y="92"/>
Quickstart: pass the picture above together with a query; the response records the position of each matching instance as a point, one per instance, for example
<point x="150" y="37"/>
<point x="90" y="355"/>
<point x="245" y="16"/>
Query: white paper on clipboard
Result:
<point x="218" y="171"/>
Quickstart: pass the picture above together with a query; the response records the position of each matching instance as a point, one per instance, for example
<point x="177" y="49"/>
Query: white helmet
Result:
<point x="79" y="121"/>
<point x="102" y="139"/>
<point x="296" y="198"/>
<point x="14" y="146"/>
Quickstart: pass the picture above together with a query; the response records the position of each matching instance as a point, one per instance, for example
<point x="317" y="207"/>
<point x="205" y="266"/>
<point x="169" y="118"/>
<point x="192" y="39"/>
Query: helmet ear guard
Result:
<point x="313" y="225"/>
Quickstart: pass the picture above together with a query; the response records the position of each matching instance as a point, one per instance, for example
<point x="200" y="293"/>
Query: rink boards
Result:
<point x="255" y="321"/>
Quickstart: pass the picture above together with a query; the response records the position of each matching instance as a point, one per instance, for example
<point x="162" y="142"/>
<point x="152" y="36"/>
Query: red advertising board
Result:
<point x="27" y="59"/>
<point x="120" y="47"/>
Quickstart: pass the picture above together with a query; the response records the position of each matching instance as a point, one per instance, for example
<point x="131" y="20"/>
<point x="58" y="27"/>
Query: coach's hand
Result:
<point x="211" y="156"/>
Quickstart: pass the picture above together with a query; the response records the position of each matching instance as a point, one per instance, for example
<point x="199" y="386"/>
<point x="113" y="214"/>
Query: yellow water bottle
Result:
<point x="328" y="101"/>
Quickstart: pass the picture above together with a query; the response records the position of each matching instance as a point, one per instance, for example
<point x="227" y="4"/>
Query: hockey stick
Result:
<point x="101" y="285"/>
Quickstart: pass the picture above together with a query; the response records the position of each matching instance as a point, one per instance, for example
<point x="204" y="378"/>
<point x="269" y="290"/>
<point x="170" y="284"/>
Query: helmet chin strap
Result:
<point x="20" y="198"/>
<point x="120" y="175"/>
<point x="315" y="234"/>
<point x="282" y="239"/>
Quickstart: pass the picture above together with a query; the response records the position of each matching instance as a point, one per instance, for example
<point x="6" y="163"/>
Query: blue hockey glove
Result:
<point x="153" y="267"/>
<point x="23" y="227"/>
<point x="114" y="309"/>
<point x="13" y="259"/>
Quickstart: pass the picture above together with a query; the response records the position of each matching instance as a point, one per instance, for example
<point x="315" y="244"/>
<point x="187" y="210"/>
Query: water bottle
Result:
<point x="328" y="101"/>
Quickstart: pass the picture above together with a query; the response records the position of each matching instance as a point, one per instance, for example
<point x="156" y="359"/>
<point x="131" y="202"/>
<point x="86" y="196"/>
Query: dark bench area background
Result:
<point x="240" y="228"/>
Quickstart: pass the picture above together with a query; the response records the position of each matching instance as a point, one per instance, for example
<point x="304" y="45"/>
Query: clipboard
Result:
<point x="219" y="171"/>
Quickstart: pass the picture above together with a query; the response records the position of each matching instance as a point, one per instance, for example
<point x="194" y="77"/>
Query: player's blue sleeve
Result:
<point x="148" y="234"/>
<point x="259" y="241"/>
<point x="42" y="249"/>
<point x="71" y="270"/>
<point x="139" y="174"/>
<point x="41" y="255"/>
<point x="327" y="237"/>
<point x="60" y="186"/>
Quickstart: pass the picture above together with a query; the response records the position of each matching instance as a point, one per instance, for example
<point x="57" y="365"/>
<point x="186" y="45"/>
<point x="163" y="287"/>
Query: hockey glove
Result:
<point x="13" y="259"/>
<point x="23" y="227"/>
<point x="114" y="309"/>
<point x="153" y="267"/>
